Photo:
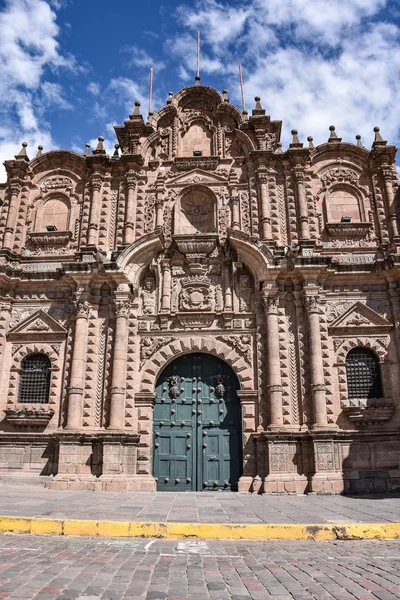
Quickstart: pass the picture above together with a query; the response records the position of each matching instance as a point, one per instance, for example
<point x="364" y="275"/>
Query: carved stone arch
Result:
<point x="172" y="348"/>
<point x="353" y="191"/>
<point x="137" y="257"/>
<point x="378" y="345"/>
<point x="208" y="219"/>
<point x="257" y="262"/>
<point x="21" y="351"/>
<point x="64" y="162"/>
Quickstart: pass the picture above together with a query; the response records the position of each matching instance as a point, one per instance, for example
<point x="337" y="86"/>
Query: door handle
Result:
<point x="212" y="457"/>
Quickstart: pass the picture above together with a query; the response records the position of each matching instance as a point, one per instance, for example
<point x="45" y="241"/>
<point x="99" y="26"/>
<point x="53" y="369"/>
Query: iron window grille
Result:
<point x="34" y="383"/>
<point x="363" y="374"/>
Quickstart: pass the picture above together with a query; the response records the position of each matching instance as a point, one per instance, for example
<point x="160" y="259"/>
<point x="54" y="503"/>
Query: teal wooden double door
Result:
<point x="197" y="426"/>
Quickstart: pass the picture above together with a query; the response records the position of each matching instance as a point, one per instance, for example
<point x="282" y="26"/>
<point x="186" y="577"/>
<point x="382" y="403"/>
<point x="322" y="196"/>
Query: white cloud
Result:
<point x="314" y="63"/>
<point x="138" y="57"/>
<point x="93" y="88"/>
<point x="28" y="48"/>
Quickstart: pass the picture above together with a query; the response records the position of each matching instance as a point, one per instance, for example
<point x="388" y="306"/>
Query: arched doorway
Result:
<point x="197" y="426"/>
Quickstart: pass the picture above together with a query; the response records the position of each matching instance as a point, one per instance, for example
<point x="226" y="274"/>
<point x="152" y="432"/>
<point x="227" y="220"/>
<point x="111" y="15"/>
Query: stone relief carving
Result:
<point x="148" y="296"/>
<point x="335" y="309"/>
<point x="150" y="345"/>
<point x="245" y="294"/>
<point x="149" y="214"/>
<point x="242" y="343"/>
<point x="196" y="294"/>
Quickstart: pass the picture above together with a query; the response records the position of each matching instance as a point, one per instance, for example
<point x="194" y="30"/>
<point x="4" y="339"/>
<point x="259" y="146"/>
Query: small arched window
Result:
<point x="363" y="374"/>
<point x="34" y="383"/>
<point x="343" y="203"/>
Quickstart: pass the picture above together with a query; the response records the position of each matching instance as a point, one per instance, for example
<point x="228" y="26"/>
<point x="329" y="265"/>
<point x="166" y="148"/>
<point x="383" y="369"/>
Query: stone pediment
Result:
<point x="197" y="176"/>
<point x="39" y="324"/>
<point x="359" y="316"/>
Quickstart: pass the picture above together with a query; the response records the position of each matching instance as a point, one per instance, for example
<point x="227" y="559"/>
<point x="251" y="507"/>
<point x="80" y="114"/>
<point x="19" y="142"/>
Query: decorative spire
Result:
<point x="359" y="142"/>
<point x="87" y="149"/>
<point x="295" y="141"/>
<point x="245" y="114"/>
<point x="136" y="112"/>
<point x="310" y="140"/>
<point x="22" y="153"/>
<point x="258" y="110"/>
<point x="170" y="95"/>
<point x="333" y="137"/>
<point x="100" y="147"/>
<point x="378" y="141"/>
<point x="225" y="95"/>
<point x="39" y="152"/>
<point x="279" y="148"/>
<point x="116" y="153"/>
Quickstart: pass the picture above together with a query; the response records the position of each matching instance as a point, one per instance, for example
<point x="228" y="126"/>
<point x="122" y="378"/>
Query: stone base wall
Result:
<point x="284" y="463"/>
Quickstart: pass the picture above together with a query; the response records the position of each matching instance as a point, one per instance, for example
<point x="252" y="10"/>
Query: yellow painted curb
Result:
<point x="216" y="531"/>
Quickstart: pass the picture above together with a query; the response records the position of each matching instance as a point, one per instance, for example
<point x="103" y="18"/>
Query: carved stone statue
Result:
<point x="147" y="296"/>
<point x="246" y="294"/>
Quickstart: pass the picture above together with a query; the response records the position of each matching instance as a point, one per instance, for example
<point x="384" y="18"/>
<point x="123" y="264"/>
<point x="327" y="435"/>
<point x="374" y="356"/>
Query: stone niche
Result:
<point x="195" y="213"/>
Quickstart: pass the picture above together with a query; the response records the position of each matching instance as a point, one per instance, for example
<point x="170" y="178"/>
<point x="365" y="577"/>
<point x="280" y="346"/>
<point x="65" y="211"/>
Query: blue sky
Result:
<point x="71" y="69"/>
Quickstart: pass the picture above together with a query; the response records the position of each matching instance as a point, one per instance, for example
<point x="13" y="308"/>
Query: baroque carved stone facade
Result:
<point x="201" y="235"/>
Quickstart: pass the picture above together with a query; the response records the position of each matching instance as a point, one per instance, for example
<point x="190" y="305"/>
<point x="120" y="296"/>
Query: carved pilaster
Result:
<point x="96" y="183"/>
<point x="387" y="175"/>
<point x="265" y="207"/>
<point x="119" y="360"/>
<point x="130" y="216"/>
<point x="274" y="387"/>
<point x="235" y="212"/>
<point x="298" y="171"/>
<point x="78" y="363"/>
<point x="15" y="190"/>
<point x="312" y="306"/>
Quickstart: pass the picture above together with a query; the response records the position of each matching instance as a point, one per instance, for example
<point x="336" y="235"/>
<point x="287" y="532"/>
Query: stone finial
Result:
<point x="245" y="114"/>
<point x="258" y="109"/>
<point x="359" y="142"/>
<point x="116" y="151"/>
<point x="99" y="148"/>
<point x="169" y="100"/>
<point x="295" y="140"/>
<point x="22" y="153"/>
<point x="310" y="141"/>
<point x="197" y="80"/>
<point x="87" y="149"/>
<point x="279" y="148"/>
<point x="225" y="95"/>
<point x="333" y="137"/>
<point x="378" y="141"/>
<point x="39" y="152"/>
<point x="136" y="111"/>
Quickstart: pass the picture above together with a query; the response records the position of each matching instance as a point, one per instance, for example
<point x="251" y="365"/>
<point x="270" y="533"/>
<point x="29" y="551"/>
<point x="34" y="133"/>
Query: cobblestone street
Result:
<point x="47" y="568"/>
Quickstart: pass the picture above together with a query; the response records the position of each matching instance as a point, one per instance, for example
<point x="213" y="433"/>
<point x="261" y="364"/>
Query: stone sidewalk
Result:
<point x="70" y="568"/>
<point x="202" y="507"/>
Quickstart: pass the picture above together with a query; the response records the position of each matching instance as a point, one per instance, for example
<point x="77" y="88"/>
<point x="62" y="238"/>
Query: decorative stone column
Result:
<point x="302" y="202"/>
<point x="235" y="212"/>
<point x="118" y="381"/>
<point x="159" y="211"/>
<point x="95" y="207"/>
<point x="274" y="385"/>
<point x="166" y="285"/>
<point x="265" y="207"/>
<point x="387" y="175"/>
<point x="78" y="366"/>
<point x="12" y="215"/>
<point x="320" y="419"/>
<point x="130" y="216"/>
<point x="227" y="287"/>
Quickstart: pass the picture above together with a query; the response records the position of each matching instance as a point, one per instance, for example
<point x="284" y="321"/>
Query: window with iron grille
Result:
<point x="34" y="383"/>
<point x="363" y="374"/>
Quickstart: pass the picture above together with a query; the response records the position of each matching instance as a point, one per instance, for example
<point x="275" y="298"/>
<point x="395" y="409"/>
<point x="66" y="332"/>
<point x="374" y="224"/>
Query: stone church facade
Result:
<point x="202" y="310"/>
